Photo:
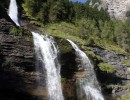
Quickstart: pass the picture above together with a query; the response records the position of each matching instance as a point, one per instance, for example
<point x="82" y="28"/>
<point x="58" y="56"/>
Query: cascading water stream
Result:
<point x="48" y="64"/>
<point x="87" y="86"/>
<point x="13" y="12"/>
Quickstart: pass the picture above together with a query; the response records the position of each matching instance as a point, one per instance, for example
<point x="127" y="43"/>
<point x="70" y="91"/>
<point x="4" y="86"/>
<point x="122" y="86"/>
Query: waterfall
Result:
<point x="48" y="65"/>
<point x="13" y="12"/>
<point x="87" y="86"/>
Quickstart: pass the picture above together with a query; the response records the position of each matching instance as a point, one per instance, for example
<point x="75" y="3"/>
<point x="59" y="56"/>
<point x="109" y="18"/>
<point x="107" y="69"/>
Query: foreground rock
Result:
<point x="17" y="67"/>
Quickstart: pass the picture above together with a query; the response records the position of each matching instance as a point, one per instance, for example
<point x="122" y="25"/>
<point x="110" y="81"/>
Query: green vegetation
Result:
<point x="122" y="97"/>
<point x="127" y="86"/>
<point x="80" y="22"/>
<point x="17" y="31"/>
<point x="106" y="67"/>
<point x="127" y="62"/>
<point x="63" y="30"/>
<point x="83" y="32"/>
<point x="125" y="97"/>
<point x="63" y="80"/>
<point x="93" y="55"/>
<point x="62" y="10"/>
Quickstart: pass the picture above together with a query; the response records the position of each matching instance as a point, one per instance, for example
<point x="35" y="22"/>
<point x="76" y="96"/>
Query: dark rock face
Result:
<point x="17" y="50"/>
<point x="121" y="75"/>
<point x="17" y="71"/>
<point x="5" y="26"/>
<point x="18" y="78"/>
<point x="4" y="15"/>
<point x="68" y="69"/>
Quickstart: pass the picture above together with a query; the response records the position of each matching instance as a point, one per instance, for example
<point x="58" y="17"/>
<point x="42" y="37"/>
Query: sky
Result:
<point x="80" y="1"/>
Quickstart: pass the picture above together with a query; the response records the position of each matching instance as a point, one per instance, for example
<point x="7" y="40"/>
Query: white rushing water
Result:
<point x="87" y="87"/>
<point x="47" y="56"/>
<point x="13" y="12"/>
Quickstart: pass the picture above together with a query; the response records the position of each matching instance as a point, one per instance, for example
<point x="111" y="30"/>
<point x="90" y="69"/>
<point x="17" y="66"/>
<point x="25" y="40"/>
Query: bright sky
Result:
<point x="79" y="0"/>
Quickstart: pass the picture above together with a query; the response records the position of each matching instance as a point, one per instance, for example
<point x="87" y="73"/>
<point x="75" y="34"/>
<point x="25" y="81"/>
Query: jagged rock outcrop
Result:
<point x="121" y="75"/>
<point x="116" y="8"/>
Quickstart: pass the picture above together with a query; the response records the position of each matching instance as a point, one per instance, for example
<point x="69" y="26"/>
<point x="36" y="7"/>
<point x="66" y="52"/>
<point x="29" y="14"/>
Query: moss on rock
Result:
<point x="106" y="67"/>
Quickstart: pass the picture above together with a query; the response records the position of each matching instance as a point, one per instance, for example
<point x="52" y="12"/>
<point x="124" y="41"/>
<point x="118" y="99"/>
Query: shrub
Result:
<point x="106" y="67"/>
<point x="17" y="31"/>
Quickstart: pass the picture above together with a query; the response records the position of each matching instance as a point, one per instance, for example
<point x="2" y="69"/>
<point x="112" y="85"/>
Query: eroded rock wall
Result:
<point x="17" y="66"/>
<point x="117" y="9"/>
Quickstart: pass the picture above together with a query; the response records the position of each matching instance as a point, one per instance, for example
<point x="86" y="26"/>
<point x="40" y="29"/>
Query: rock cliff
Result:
<point x="121" y="75"/>
<point x="116" y="8"/>
<point x="17" y="70"/>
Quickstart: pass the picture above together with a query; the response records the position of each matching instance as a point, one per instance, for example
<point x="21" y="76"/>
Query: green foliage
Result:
<point x="65" y="31"/>
<point x="116" y="32"/>
<point x="125" y="97"/>
<point x="122" y="97"/>
<point x="62" y="10"/>
<point x="127" y="86"/>
<point x="127" y="62"/>
<point x="85" y="32"/>
<point x="63" y="80"/>
<point x="106" y="67"/>
<point x="63" y="45"/>
<point x="32" y="6"/>
<point x="86" y="11"/>
<point x="50" y="10"/>
<point x="90" y="53"/>
<point x="87" y="25"/>
<point x="113" y="47"/>
<point x="87" y="28"/>
<point x="17" y="31"/>
<point x="93" y="55"/>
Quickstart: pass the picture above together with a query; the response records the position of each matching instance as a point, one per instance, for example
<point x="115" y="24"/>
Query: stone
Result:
<point x="80" y="74"/>
<point x="116" y="8"/>
<point x="120" y="76"/>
